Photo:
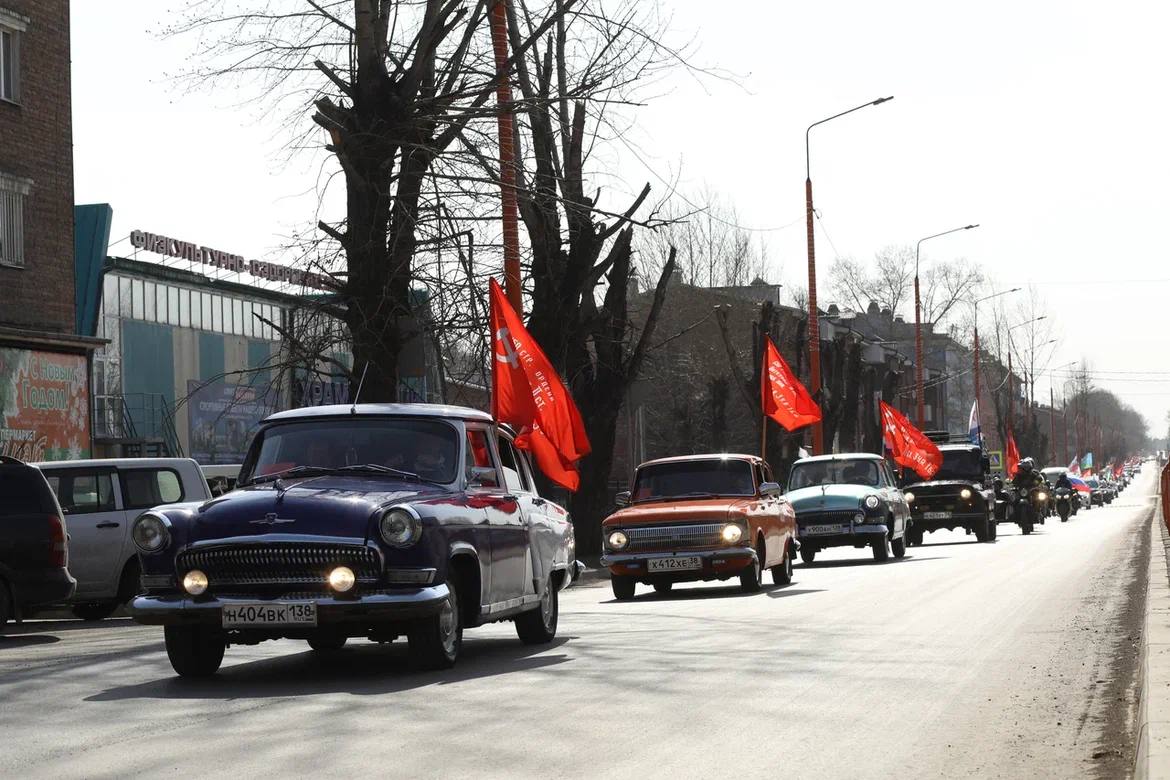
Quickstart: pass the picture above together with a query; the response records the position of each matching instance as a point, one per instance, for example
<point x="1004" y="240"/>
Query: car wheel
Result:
<point x="327" y="643"/>
<point x="808" y="556"/>
<point x="1026" y="527"/>
<point x="752" y="577"/>
<point x="992" y="529"/>
<point x="539" y="626"/>
<point x="623" y="587"/>
<point x="435" y="641"/>
<point x="782" y="572"/>
<point x="916" y="536"/>
<point x="881" y="550"/>
<point x="983" y="532"/>
<point x="663" y="587"/>
<point x="195" y="651"/>
<point x="99" y="610"/>
<point x="5" y="604"/>
<point x="898" y="547"/>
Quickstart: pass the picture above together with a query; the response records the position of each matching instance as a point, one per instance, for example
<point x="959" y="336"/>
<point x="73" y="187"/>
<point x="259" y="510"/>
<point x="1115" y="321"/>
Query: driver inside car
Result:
<point x="859" y="474"/>
<point x="429" y="460"/>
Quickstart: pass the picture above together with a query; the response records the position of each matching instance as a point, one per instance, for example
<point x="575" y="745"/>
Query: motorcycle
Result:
<point x="1038" y="500"/>
<point x="1063" y="503"/>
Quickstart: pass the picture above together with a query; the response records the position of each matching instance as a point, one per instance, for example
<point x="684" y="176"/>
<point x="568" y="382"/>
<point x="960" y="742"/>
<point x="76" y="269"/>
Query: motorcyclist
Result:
<point x="1026" y="476"/>
<point x="1064" y="482"/>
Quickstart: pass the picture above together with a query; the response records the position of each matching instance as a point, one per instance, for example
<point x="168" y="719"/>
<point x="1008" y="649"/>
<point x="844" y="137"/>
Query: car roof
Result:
<point x="708" y="456"/>
<point x="130" y="463"/>
<point x="381" y="410"/>
<point x="841" y="456"/>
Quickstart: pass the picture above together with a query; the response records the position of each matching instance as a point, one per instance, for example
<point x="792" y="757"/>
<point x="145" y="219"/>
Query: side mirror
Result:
<point x="622" y="498"/>
<point x="771" y="489"/>
<point x="482" y="476"/>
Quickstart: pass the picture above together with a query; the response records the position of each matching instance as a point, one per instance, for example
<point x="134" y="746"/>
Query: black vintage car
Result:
<point x="374" y="521"/>
<point x="959" y="495"/>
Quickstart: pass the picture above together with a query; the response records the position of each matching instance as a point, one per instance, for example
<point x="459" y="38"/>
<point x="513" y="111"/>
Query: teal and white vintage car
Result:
<point x="850" y="500"/>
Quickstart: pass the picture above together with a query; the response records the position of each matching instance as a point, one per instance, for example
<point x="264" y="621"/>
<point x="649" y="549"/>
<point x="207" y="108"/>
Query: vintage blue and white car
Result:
<point x="372" y="521"/>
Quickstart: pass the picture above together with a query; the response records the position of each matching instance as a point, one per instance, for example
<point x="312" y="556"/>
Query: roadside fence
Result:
<point x="1165" y="491"/>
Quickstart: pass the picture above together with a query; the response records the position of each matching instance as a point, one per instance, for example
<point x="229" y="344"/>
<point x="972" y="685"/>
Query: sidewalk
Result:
<point x="1153" y="720"/>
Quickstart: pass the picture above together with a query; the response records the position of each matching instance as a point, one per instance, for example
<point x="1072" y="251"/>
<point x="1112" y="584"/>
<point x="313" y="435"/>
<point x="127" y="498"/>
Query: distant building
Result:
<point x="44" y="363"/>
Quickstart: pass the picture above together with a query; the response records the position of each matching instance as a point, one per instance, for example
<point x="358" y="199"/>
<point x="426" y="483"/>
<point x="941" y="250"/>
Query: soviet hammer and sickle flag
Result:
<point x="782" y="396"/>
<point x="528" y="394"/>
<point x="909" y="446"/>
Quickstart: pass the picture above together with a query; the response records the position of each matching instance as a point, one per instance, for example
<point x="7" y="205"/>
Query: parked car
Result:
<point x="959" y="495"/>
<point x="699" y="517"/>
<point x="848" y="500"/>
<point x="374" y="521"/>
<point x="101" y="498"/>
<point x="34" y="552"/>
<point x="221" y="477"/>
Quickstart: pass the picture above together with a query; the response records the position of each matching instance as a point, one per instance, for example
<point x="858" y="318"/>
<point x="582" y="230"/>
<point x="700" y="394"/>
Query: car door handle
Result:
<point x="107" y="525"/>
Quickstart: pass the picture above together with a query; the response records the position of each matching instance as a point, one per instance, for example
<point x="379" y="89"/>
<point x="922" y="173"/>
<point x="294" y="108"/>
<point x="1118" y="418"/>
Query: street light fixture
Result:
<point x="918" y="372"/>
<point x="814" y="328"/>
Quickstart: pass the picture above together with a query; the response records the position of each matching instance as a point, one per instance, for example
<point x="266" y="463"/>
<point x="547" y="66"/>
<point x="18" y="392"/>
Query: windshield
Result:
<point x="834" y="472"/>
<point x="428" y="448"/>
<point x="694" y="479"/>
<point x="1092" y="482"/>
<point x="965" y="465"/>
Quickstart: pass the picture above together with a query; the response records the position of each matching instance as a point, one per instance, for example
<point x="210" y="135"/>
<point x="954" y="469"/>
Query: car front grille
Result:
<point x="279" y="563"/>
<point x="841" y="517"/>
<point x="675" y="537"/>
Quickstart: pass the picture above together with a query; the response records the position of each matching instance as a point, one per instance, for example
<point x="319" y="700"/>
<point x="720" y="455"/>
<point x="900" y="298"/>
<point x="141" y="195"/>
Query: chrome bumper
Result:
<point x="407" y="604"/>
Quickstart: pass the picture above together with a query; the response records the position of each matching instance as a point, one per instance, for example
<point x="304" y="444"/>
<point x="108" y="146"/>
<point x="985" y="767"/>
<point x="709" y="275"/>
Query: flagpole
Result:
<point x="498" y="20"/>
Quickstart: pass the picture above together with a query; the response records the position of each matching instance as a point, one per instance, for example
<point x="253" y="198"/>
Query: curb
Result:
<point x="1152" y="756"/>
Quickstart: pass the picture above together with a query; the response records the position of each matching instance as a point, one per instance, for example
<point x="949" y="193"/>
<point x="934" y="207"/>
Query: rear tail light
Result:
<point x="58" y="549"/>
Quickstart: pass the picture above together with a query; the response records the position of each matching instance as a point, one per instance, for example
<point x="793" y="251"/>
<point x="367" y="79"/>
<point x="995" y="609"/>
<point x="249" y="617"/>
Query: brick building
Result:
<point x="44" y="365"/>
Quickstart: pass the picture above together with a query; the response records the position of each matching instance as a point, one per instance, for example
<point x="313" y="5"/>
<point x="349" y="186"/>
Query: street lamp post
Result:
<point x="979" y="411"/>
<point x="918" y="373"/>
<point x="814" y="328"/>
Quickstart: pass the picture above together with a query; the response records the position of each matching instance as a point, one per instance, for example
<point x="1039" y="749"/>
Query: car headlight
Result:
<point x="859" y="517"/>
<point x="342" y="579"/>
<point x="400" y="527"/>
<point x="150" y="533"/>
<point x="966" y="494"/>
<point x="195" y="582"/>
<point x="618" y="540"/>
<point x="732" y="533"/>
<point x="909" y="497"/>
<point x="872" y="502"/>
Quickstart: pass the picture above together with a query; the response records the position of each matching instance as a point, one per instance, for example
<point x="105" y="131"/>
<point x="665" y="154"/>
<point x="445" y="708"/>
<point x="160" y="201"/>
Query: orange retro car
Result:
<point x="700" y="517"/>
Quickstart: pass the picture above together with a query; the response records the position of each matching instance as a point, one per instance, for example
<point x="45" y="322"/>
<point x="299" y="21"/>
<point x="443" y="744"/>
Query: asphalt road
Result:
<point x="1012" y="659"/>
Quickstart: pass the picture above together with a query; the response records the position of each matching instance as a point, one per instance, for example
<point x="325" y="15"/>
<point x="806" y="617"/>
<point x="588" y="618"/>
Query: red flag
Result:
<point x="909" y="446"/>
<point x="1012" y="456"/>
<point x="782" y="396"/>
<point x="528" y="394"/>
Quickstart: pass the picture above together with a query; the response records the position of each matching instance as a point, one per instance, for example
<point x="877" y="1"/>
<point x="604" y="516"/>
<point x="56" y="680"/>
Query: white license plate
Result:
<point x="269" y="613"/>
<point x="823" y="530"/>
<point x="936" y="515"/>
<point x="674" y="564"/>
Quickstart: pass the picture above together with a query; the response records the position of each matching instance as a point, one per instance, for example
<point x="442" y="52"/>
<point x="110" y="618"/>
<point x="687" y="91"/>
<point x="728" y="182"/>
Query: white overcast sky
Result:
<point x="1045" y="122"/>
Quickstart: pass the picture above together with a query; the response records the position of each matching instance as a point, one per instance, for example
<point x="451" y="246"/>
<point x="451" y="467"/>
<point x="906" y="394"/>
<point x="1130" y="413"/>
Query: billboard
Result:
<point x="221" y="419"/>
<point x="44" y="405"/>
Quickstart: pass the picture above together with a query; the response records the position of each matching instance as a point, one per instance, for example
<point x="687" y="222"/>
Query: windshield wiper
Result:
<point x="295" y="471"/>
<point x="376" y="468"/>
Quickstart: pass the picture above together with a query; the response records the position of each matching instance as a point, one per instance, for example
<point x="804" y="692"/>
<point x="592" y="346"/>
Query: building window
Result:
<point x="13" y="194"/>
<point x="11" y="26"/>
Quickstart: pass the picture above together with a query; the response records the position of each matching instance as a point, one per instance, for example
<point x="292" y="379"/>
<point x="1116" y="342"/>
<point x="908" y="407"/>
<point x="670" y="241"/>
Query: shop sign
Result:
<point x="205" y="255"/>
<point x="222" y="418"/>
<point x="44" y="405"/>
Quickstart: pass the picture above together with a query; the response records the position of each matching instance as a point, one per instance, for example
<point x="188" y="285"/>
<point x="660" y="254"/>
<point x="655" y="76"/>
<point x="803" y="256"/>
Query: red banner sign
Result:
<point x="44" y="405"/>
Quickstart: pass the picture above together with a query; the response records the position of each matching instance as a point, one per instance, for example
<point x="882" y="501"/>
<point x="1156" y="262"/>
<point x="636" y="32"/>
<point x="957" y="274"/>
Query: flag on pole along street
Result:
<point x="973" y="429"/>
<point x="528" y="394"/>
<point x="1079" y="484"/>
<point x="909" y="446"/>
<point x="1074" y="468"/>
<point x="1013" y="456"/>
<point x="782" y="396"/>
<point x="1087" y="464"/>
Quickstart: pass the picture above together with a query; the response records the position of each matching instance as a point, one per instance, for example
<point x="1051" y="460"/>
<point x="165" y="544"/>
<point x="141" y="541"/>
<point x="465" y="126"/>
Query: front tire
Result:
<point x="539" y="626"/>
<point x="623" y="587"/>
<point x="435" y="641"/>
<point x="327" y="643"/>
<point x="808" y="556"/>
<point x="195" y="651"/>
<point x="751" y="579"/>
<point x="898" y="547"/>
<point x="881" y="550"/>
<point x="782" y="572"/>
<point x="663" y="588"/>
<point x="992" y="529"/>
<point x="94" y="611"/>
